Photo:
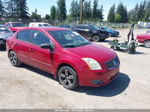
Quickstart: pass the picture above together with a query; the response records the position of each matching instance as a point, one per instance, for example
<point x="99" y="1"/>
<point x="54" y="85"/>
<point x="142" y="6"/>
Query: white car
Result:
<point x="39" y="24"/>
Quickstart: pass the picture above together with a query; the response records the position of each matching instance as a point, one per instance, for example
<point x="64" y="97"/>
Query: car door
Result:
<point x="84" y="31"/>
<point x="22" y="45"/>
<point x="40" y="58"/>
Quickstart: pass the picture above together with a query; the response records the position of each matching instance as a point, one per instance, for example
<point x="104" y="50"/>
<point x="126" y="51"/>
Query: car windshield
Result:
<point x="93" y="27"/>
<point x="68" y="38"/>
<point x="108" y="28"/>
<point x="18" y="25"/>
<point x="3" y="29"/>
<point x="46" y="25"/>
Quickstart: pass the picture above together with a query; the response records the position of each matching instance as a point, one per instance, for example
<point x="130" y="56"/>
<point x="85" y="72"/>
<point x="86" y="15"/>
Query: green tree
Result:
<point x="47" y="17"/>
<point x="133" y="14"/>
<point x="100" y="13"/>
<point x="111" y="14"/>
<point x="35" y="16"/>
<point x="1" y="9"/>
<point x="75" y="9"/>
<point x="147" y="13"/>
<point x="22" y="9"/>
<point x="122" y="11"/>
<point x="11" y="8"/>
<point x="95" y="9"/>
<point x="87" y="10"/>
<point x="62" y="13"/>
<point x="117" y="18"/>
<point x="53" y="12"/>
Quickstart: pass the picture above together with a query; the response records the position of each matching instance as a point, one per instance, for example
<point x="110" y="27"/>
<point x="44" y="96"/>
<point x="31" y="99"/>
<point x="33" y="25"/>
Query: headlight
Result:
<point x="93" y="64"/>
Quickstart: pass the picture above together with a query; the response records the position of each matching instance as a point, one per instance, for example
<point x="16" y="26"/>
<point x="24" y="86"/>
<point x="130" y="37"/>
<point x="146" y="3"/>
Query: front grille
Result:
<point x="114" y="63"/>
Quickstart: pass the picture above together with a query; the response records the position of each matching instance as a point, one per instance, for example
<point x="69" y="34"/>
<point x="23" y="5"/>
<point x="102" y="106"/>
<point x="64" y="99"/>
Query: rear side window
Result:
<point x="39" y="38"/>
<point x="40" y="25"/>
<point x="24" y="35"/>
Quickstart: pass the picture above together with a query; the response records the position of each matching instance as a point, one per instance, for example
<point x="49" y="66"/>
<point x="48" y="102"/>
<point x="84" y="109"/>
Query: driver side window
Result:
<point x="39" y="38"/>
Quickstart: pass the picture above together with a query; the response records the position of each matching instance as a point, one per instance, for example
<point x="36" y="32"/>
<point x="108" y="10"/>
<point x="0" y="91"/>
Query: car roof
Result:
<point x="13" y="22"/>
<point x="46" y="28"/>
<point x="38" y="23"/>
<point x="81" y="25"/>
<point x="2" y="25"/>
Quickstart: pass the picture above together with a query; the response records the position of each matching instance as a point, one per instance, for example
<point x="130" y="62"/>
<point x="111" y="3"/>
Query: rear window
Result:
<point x="46" y="25"/>
<point x="18" y="25"/>
<point x="24" y="35"/>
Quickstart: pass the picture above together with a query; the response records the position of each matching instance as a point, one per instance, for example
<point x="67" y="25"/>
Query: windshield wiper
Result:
<point x="82" y="44"/>
<point x="69" y="46"/>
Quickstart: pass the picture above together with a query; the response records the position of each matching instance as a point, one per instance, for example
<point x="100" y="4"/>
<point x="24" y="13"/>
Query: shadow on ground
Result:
<point x="2" y="49"/>
<point x="114" y="88"/>
<point x="124" y="51"/>
<point x="45" y="74"/>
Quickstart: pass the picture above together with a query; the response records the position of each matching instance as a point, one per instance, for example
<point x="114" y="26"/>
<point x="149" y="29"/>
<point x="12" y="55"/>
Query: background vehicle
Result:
<point x="65" y="54"/>
<point x="113" y="33"/>
<point x="65" y="26"/>
<point x="145" y="39"/>
<point x="91" y="32"/>
<point x="15" y="26"/>
<point x="39" y="24"/>
<point x="4" y="34"/>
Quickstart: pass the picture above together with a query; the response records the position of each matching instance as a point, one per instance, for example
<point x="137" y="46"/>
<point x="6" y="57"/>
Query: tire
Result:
<point x="110" y="35"/>
<point x="147" y="44"/>
<point x="96" y="38"/>
<point x="13" y="59"/>
<point x="68" y="77"/>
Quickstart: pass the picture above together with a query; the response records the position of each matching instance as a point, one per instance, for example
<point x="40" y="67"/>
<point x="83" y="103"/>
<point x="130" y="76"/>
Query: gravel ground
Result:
<point x="28" y="88"/>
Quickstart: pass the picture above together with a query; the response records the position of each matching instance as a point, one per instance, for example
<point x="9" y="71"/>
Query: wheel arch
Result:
<point x="147" y="40"/>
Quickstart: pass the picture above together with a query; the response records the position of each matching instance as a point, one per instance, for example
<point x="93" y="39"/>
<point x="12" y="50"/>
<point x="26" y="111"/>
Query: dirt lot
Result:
<point x="29" y="88"/>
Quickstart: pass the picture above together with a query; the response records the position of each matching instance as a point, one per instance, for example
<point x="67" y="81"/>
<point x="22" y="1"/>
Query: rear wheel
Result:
<point x="147" y="44"/>
<point x="68" y="78"/>
<point x="13" y="59"/>
<point x="96" y="38"/>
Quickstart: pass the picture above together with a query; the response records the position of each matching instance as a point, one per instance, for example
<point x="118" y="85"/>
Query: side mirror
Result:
<point x="47" y="46"/>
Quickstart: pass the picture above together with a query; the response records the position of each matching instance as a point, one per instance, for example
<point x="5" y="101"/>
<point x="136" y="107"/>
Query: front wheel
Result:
<point x="96" y="38"/>
<point x="147" y="44"/>
<point x="13" y="59"/>
<point x="68" y="78"/>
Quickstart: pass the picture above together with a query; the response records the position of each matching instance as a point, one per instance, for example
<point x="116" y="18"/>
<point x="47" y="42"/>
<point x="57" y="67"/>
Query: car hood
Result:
<point x="5" y="35"/>
<point x="97" y="52"/>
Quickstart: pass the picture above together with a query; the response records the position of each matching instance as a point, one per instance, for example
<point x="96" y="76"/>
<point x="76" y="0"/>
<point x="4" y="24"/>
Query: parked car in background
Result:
<point x="112" y="33"/>
<point x="145" y="39"/>
<point x="65" y="26"/>
<point x="148" y="31"/>
<point x="91" y="32"/>
<point x="65" y="54"/>
<point x="5" y="33"/>
<point x="39" y="24"/>
<point x="15" y="26"/>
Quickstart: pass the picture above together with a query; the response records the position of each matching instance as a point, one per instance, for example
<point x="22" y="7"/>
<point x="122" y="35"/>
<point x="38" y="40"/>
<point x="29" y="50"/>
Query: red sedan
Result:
<point x="144" y="38"/>
<point x="15" y="26"/>
<point x="65" y="54"/>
